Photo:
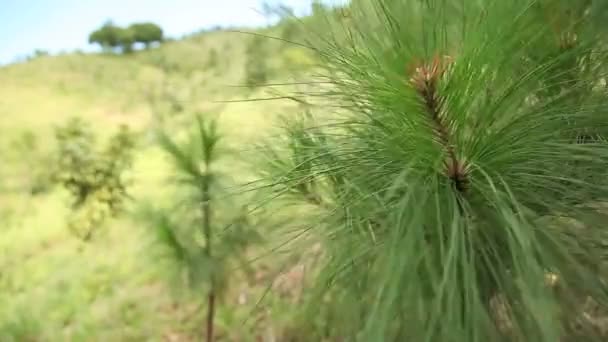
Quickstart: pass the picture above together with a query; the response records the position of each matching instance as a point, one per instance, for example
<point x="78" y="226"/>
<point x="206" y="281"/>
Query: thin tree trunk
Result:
<point x="206" y="208"/>
<point x="210" y="315"/>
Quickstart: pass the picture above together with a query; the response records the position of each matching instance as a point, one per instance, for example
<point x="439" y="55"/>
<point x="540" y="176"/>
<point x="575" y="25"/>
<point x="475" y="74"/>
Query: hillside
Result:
<point x="54" y="287"/>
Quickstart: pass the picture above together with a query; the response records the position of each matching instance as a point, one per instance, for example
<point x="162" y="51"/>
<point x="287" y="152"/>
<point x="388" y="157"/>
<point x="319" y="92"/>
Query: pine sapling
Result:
<point x="226" y="236"/>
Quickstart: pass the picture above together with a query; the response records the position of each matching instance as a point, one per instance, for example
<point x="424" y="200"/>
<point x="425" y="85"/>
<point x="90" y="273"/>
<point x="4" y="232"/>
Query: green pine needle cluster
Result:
<point x="463" y="182"/>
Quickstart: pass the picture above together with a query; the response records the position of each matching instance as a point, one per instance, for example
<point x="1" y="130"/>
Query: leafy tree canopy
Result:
<point x="147" y="33"/>
<point x="106" y="36"/>
<point x="110" y="36"/>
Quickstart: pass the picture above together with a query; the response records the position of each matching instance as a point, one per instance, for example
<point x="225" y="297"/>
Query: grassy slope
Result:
<point x="54" y="287"/>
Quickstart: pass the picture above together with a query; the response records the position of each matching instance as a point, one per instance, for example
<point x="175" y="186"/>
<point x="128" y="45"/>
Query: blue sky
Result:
<point x="64" y="25"/>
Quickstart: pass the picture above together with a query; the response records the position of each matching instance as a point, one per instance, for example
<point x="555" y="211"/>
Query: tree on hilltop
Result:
<point x="147" y="33"/>
<point x="126" y="39"/>
<point x="110" y="36"/>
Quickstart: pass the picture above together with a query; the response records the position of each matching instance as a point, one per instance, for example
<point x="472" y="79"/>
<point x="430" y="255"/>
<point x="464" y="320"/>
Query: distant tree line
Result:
<point x="111" y="37"/>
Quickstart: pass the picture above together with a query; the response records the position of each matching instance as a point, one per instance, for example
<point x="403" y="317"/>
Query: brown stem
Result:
<point x="210" y="315"/>
<point x="206" y="211"/>
<point x="433" y="103"/>
<point x="425" y="79"/>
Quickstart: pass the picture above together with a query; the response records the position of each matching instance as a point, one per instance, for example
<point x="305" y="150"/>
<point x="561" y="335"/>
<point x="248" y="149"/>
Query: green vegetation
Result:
<point x="438" y="174"/>
<point x="93" y="178"/>
<point x="147" y="33"/>
<point x="110" y="36"/>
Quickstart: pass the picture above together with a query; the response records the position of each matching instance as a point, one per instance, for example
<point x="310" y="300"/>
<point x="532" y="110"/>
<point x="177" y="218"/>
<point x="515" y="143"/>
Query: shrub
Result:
<point x="94" y="178"/>
<point x="460" y="182"/>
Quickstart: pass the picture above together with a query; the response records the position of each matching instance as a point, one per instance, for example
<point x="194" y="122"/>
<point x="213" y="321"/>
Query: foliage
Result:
<point x="110" y="36"/>
<point x="460" y="181"/>
<point x="205" y="244"/>
<point x="94" y="178"/>
<point x="126" y="39"/>
<point x="146" y="33"/>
